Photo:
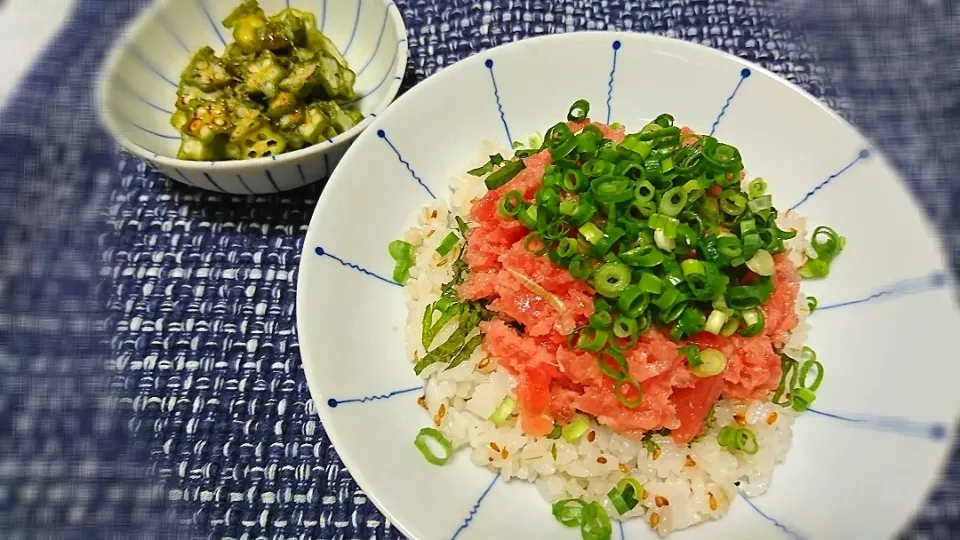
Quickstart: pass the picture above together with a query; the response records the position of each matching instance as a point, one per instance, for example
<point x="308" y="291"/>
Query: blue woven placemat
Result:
<point x="187" y="412"/>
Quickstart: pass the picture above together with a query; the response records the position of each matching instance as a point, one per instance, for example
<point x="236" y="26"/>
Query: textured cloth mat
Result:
<point x="205" y="425"/>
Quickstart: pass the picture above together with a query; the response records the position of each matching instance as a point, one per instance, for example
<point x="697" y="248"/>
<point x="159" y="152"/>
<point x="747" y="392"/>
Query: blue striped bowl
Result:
<point x="138" y="85"/>
<point x="885" y="329"/>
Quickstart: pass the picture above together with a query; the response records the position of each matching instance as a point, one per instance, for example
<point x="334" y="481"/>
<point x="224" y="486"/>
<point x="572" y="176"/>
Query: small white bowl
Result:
<point x="138" y="85"/>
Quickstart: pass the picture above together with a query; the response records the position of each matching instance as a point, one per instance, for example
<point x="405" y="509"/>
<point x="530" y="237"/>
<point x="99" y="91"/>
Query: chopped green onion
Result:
<point x="447" y="244"/>
<point x="600" y="320"/>
<point x="574" y="430"/>
<point x="428" y="436"/>
<point x="567" y="247"/>
<point x="402" y="253"/>
<point x="503" y="412"/>
<point x="617" y="370"/>
<point x="570" y="512"/>
<point x="619" y="504"/>
<point x="592" y="339"/>
<point x="715" y="321"/>
<point x="747" y="441"/>
<point x="756" y="188"/>
<point x="528" y="217"/>
<point x="612" y="189"/>
<point x="504" y="174"/>
<point x="752" y="323"/>
<point x="714" y="362"/>
<point x="611" y="279"/>
<point x="762" y="263"/>
<point x="732" y="202"/>
<point x="578" y="267"/>
<point x="692" y="353"/>
<point x="554" y="435"/>
<point x="814" y="268"/>
<point x="633" y="389"/>
<point x="805" y="370"/>
<point x="663" y="241"/>
<point x="673" y="201"/>
<point x="511" y="203"/>
<point x="578" y="111"/>
<point x="631" y="487"/>
<point x="596" y="524"/>
<point x="591" y="233"/>
<point x="826" y="243"/>
<point x="495" y="160"/>
<point x="802" y="398"/>
<point x="812" y="303"/>
<point x="727" y="437"/>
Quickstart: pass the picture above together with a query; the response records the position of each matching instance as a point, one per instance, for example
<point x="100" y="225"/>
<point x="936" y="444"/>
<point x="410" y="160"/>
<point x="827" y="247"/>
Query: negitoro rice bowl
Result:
<point x="615" y="316"/>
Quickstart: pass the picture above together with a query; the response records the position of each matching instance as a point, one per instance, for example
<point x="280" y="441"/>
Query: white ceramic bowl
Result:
<point x="138" y="85"/>
<point x="886" y="328"/>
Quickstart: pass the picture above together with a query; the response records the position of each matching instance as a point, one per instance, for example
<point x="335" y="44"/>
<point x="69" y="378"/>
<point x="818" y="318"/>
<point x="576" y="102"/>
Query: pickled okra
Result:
<point x="279" y="86"/>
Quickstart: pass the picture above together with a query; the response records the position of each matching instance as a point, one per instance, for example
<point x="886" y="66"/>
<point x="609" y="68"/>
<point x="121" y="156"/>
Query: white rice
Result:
<point x="684" y="485"/>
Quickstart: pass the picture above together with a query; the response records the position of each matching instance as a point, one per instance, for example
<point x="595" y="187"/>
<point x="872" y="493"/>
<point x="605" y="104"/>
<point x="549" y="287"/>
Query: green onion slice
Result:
<point x="631" y="396"/>
<point x="504" y="174"/>
<point x="574" y="430"/>
<point x="504" y="410"/>
<point x="714" y="362"/>
<point x="429" y="437"/>
<point x="447" y="244"/>
<point x="747" y="441"/>
<point x="578" y="111"/>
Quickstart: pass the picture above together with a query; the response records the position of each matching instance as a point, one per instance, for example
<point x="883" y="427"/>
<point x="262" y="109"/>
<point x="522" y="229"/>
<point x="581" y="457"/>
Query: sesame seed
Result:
<point x="602" y="460"/>
<point x="624" y="469"/>
<point x="591" y="436"/>
<point x="438" y="419"/>
<point x="661" y="501"/>
<point x="494" y="446"/>
<point x="504" y="454"/>
<point x="654" y="520"/>
<point x="422" y="401"/>
<point x="713" y="501"/>
<point x="691" y="462"/>
<point x="483" y="363"/>
<point x="740" y="420"/>
<point x="771" y="419"/>
<point x="433" y="214"/>
<point x="656" y="453"/>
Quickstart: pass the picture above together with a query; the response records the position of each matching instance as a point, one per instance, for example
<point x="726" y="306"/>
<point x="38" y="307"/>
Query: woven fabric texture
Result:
<point x="150" y="377"/>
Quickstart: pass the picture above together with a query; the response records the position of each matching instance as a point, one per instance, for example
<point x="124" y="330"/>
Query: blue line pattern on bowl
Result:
<point x="216" y="27"/>
<point x="150" y="131"/>
<point x="861" y="155"/>
<point x="613" y="72"/>
<point x="744" y="73"/>
<point x="324" y="253"/>
<point x="383" y="79"/>
<point x="269" y="176"/>
<point x="323" y="16"/>
<point x="934" y="281"/>
<point x="244" y="184"/>
<point x="166" y="26"/>
<point x="473" y="511"/>
<point x="383" y="28"/>
<point x="496" y="97"/>
<point x="772" y="520"/>
<point x="623" y="535"/>
<point x="383" y="135"/>
<point x="932" y="431"/>
<point x="146" y="63"/>
<point x="356" y="24"/>
<point x="127" y="88"/>
<point x="333" y="403"/>
<point x="212" y="182"/>
<point x="185" y="179"/>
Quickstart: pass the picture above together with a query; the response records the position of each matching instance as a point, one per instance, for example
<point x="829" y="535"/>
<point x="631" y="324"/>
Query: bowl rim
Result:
<point x="108" y="71"/>
<point x="309" y="347"/>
